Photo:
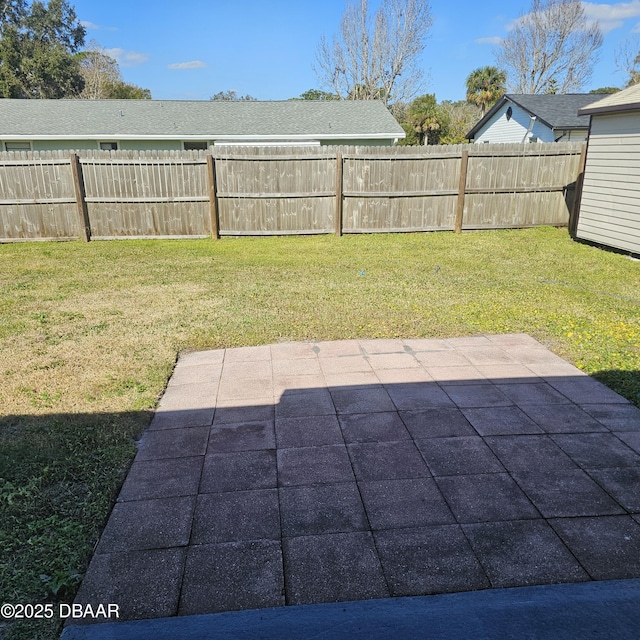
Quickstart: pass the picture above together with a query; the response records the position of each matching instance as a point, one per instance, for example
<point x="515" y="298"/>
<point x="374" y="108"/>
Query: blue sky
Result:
<point x="191" y="49"/>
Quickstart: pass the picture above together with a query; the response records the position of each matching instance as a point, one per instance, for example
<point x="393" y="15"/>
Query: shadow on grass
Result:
<point x="604" y="247"/>
<point x="626" y="383"/>
<point x="59" y="477"/>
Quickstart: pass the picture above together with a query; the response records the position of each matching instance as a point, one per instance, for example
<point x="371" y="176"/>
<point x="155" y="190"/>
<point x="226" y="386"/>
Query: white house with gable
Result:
<point x="534" y="118"/>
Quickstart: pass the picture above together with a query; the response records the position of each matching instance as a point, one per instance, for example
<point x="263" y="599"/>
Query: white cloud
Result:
<point x="92" y="26"/>
<point x="489" y="40"/>
<point x="608" y="16"/>
<point x="611" y="16"/>
<point x="127" y="58"/>
<point x="612" y="12"/>
<point x="193" y="64"/>
<point x="608" y="25"/>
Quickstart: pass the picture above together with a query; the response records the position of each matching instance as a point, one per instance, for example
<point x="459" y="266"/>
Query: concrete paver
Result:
<point x="306" y="473"/>
<point x="339" y="566"/>
<point x="523" y="552"/>
<point x="435" y="559"/>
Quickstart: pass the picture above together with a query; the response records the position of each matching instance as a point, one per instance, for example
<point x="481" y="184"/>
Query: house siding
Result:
<point x="610" y="206"/>
<point x="177" y="145"/>
<point x="499" y="129"/>
<point x="150" y="145"/>
<point x="123" y="145"/>
<point x="359" y="143"/>
<point x="577" y="135"/>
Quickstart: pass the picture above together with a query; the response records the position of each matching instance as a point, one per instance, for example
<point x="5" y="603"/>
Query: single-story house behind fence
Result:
<point x="610" y="204"/>
<point x="39" y="125"/>
<point x="534" y="118"/>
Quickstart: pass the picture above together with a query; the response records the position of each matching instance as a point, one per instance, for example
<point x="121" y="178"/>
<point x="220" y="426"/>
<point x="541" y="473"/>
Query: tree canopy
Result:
<point x="605" y="90"/>
<point x="231" y="96"/>
<point x="38" y="43"/>
<point x="462" y="116"/>
<point x="317" y="94"/>
<point x="424" y="121"/>
<point x="102" y="78"/>
<point x="551" y="48"/>
<point x="485" y="86"/>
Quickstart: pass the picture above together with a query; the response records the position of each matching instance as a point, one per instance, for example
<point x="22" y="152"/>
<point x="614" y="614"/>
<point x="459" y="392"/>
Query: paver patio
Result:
<point x="319" y="472"/>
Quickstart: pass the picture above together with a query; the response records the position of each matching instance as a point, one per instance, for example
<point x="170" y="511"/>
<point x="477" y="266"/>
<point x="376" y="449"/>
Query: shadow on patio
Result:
<point x="325" y="472"/>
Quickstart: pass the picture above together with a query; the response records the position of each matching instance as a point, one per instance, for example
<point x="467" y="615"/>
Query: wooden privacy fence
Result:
<point x="285" y="190"/>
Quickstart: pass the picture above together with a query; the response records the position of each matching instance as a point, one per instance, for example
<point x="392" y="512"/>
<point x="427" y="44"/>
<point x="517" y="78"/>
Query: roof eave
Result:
<point x="486" y="118"/>
<point x="570" y="127"/>
<point x="592" y="111"/>
<point x="211" y="136"/>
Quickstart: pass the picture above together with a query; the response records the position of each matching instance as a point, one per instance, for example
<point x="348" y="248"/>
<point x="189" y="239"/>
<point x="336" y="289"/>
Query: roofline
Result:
<point x="562" y="127"/>
<point x="588" y="110"/>
<point x="210" y="136"/>
<point x="531" y="112"/>
<point x="487" y="116"/>
<point x="157" y="100"/>
<point x="509" y="97"/>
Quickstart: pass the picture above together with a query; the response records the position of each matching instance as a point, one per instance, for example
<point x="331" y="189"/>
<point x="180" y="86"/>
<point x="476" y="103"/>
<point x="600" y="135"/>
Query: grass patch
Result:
<point x="90" y="333"/>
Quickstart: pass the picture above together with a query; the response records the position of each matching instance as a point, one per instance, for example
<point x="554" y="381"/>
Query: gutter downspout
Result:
<point x="531" y="123"/>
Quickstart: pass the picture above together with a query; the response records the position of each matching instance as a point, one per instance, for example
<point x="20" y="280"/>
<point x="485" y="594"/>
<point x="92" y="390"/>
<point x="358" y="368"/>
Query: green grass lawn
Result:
<point x="89" y="334"/>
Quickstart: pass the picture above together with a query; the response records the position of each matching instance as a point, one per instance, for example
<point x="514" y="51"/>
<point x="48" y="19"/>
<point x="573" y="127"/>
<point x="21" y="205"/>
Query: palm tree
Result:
<point x="485" y="86"/>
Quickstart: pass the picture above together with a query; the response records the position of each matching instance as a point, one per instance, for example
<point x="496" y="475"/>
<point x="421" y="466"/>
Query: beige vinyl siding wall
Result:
<point x="610" y="207"/>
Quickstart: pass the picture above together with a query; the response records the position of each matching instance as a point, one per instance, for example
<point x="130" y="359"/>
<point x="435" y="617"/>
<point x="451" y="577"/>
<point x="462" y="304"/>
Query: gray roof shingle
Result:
<point x="206" y="119"/>
<point x="560" y="111"/>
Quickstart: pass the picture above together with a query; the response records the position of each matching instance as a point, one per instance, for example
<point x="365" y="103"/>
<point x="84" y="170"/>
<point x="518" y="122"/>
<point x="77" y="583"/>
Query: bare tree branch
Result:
<point x="98" y="70"/>
<point x="554" y="45"/>
<point x="627" y="57"/>
<point x="376" y="58"/>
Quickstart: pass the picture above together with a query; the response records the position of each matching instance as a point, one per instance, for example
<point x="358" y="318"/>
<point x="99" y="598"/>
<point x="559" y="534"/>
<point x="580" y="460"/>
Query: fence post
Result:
<point x="577" y="194"/>
<point x="83" y="212"/>
<point x="213" y="197"/>
<point x="339" y="194"/>
<point x="462" y="185"/>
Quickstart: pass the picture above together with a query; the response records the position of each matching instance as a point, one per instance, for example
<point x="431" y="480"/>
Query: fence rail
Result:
<point x="277" y="190"/>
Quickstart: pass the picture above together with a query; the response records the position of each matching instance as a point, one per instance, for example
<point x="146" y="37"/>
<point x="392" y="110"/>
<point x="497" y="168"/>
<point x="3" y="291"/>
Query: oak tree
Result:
<point x="38" y="44"/>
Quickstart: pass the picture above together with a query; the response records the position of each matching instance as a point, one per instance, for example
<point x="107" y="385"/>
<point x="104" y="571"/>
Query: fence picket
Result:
<point x="285" y="190"/>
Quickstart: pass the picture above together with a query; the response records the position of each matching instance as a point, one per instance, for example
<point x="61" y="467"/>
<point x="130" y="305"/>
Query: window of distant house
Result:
<point x="509" y="113"/>
<point x="533" y="139"/>
<point x="17" y="146"/>
<point x="195" y="145"/>
<point x="108" y="146"/>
